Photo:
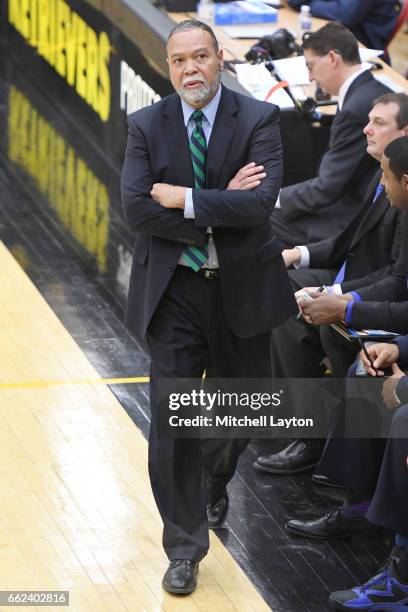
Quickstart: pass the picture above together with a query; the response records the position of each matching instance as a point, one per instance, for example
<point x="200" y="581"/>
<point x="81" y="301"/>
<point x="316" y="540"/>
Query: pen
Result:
<point x="366" y="353"/>
<point x="320" y="290"/>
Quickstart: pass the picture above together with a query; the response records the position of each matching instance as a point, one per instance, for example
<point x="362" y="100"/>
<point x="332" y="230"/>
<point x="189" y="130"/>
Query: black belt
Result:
<point x="205" y="273"/>
<point x="209" y="274"/>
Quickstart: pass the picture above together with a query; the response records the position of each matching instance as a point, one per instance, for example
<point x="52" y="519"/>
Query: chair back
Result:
<point x="402" y="18"/>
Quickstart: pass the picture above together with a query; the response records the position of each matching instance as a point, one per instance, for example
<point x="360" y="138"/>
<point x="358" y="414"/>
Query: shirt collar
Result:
<point x="346" y="86"/>
<point x="210" y="110"/>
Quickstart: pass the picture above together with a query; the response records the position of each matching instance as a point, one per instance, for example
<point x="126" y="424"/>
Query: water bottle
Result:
<point x="305" y="20"/>
<point x="206" y="11"/>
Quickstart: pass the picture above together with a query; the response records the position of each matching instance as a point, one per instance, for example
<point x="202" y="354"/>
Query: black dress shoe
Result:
<point x="180" y="577"/>
<point x="217" y="512"/>
<point x="331" y="526"/>
<point x="326" y="482"/>
<point x="299" y="456"/>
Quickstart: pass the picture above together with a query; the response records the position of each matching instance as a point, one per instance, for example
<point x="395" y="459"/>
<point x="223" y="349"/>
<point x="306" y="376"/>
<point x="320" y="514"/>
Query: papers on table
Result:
<point x="293" y="70"/>
<point x="367" y="54"/>
<point x="249" y="31"/>
<point x="256" y="79"/>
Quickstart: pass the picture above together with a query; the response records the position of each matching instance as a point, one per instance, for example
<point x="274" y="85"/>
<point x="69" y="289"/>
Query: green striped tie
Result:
<point x="196" y="257"/>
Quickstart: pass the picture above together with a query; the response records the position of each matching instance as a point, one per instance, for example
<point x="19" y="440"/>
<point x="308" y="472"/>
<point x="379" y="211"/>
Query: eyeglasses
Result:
<point x="311" y="65"/>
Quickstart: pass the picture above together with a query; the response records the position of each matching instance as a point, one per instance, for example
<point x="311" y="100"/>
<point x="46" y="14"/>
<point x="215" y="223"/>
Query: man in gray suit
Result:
<point x="324" y="205"/>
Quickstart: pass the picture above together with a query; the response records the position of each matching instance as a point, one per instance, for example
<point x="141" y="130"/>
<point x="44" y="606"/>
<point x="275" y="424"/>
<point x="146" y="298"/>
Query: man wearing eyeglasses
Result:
<point x="322" y="206"/>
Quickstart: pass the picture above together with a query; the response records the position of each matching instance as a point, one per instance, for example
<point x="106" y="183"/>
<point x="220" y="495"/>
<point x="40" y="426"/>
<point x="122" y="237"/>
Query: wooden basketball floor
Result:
<point x="76" y="509"/>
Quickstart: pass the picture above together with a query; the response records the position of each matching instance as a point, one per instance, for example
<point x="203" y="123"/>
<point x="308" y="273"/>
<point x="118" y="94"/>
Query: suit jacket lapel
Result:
<point x="222" y="132"/>
<point x="175" y="138"/>
<point x="362" y="78"/>
<point x="375" y="211"/>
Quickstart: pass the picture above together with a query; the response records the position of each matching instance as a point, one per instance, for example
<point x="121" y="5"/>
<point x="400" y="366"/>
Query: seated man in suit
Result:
<point x="371" y="21"/>
<point x="355" y="462"/>
<point x="385" y="303"/>
<point x="375" y="474"/>
<point x="363" y="253"/>
<point x="322" y="206"/>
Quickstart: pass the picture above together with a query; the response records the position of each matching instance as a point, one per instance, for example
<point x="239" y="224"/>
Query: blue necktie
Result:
<point x="192" y="256"/>
<point x="341" y="273"/>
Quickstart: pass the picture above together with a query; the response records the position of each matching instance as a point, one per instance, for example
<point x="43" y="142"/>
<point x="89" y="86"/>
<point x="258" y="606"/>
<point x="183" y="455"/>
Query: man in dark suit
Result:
<point x="375" y="473"/>
<point x="371" y="21"/>
<point x="322" y="206"/>
<point x="373" y="470"/>
<point x="363" y="253"/>
<point x="356" y="462"/>
<point x="208" y="281"/>
<point x="363" y="246"/>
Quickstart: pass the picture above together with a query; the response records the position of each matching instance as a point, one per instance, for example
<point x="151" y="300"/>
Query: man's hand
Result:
<point x="324" y="309"/>
<point x="248" y="177"/>
<point x="309" y="290"/>
<point x="168" y="196"/>
<point x="382" y="355"/>
<point x="291" y="256"/>
<point x="389" y="386"/>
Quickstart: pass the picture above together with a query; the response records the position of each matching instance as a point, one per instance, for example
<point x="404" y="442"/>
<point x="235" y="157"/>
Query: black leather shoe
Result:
<point x="299" y="456"/>
<point x="326" y="482"/>
<point x="181" y="577"/>
<point x="217" y="512"/>
<point x="331" y="526"/>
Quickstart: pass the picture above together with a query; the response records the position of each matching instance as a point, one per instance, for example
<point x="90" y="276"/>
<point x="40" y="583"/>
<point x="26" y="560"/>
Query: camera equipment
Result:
<point x="307" y="108"/>
<point x="278" y="45"/>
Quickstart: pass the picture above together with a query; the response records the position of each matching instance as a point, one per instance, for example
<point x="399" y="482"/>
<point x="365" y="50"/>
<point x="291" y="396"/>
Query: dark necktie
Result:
<point x="341" y="273"/>
<point x="196" y="257"/>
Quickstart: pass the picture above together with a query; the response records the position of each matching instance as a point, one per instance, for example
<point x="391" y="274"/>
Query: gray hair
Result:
<point x="194" y="24"/>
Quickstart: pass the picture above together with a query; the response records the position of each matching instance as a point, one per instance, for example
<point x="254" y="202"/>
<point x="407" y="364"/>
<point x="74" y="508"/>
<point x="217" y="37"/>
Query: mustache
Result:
<point x="195" y="80"/>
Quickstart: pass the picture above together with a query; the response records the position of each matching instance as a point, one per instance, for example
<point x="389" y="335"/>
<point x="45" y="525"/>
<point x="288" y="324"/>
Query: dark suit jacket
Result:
<point x="255" y="288"/>
<point x="369" y="244"/>
<point x="323" y="205"/>
<point x="371" y="21"/>
<point x="385" y="303"/>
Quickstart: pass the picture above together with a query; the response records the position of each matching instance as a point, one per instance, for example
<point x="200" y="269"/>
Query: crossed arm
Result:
<point x="172" y="196"/>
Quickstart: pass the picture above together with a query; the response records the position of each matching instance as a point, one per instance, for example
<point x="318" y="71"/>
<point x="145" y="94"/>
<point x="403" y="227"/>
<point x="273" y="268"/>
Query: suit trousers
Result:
<point x="188" y="335"/>
<point x="348" y="459"/>
<point x="389" y="506"/>
<point x="372" y="468"/>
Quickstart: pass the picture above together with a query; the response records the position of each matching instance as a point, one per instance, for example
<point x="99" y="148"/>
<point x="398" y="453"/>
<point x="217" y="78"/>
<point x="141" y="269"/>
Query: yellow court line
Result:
<point x="87" y="381"/>
<point x="72" y="458"/>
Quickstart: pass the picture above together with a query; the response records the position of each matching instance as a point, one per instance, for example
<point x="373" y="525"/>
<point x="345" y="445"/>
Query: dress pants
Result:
<point x="348" y="459"/>
<point x="188" y="335"/>
<point x="389" y="506"/>
<point x="374" y="469"/>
